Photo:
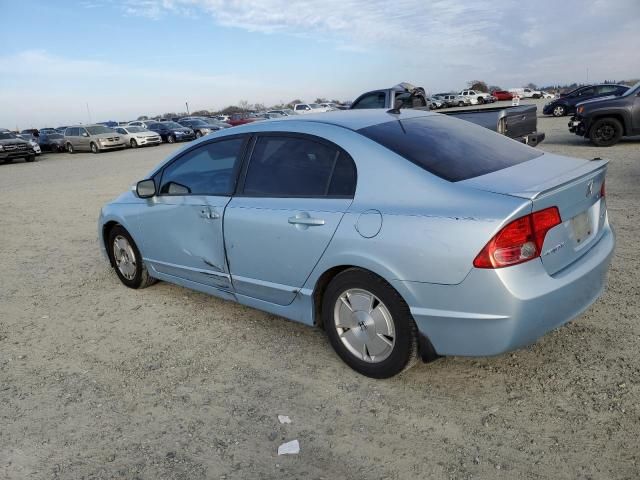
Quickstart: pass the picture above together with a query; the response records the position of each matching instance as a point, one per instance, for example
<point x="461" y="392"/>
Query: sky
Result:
<point x="68" y="61"/>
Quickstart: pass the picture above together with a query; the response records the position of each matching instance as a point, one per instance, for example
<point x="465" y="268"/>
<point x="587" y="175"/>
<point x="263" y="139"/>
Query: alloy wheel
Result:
<point x="124" y="257"/>
<point x="364" y="325"/>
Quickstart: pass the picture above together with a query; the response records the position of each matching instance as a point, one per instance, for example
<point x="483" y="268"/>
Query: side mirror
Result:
<point x="146" y="188"/>
<point x="85" y="134"/>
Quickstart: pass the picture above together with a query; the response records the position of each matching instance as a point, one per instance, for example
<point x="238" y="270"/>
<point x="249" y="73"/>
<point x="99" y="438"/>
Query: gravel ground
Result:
<point x="99" y="381"/>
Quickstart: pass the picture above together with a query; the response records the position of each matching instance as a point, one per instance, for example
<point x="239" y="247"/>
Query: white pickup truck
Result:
<point x="304" y="108"/>
<point x="475" y="97"/>
<point x="526" y="92"/>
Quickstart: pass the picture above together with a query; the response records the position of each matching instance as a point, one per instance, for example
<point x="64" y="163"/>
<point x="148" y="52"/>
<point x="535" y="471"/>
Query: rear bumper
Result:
<point x="495" y="311"/>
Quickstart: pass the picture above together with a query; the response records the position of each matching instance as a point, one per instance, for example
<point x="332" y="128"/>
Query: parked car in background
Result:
<point x="436" y="103"/>
<point x="566" y="104"/>
<point x="142" y="123"/>
<point x="48" y="131"/>
<point x="548" y="94"/>
<point x="199" y="126"/>
<point x="12" y="147"/>
<point x="454" y="100"/>
<point x="240" y="119"/>
<point x="33" y="141"/>
<point x="526" y="92"/>
<point x="51" y="141"/>
<point x="92" y="138"/>
<point x="519" y="123"/>
<point x="306" y="108"/>
<point x="136" y="137"/>
<point x="285" y="112"/>
<point x="172" y="132"/>
<point x="61" y="129"/>
<point x="329" y="106"/>
<point x="304" y="226"/>
<point x="606" y="120"/>
<point x="502" y="95"/>
<point x="475" y="97"/>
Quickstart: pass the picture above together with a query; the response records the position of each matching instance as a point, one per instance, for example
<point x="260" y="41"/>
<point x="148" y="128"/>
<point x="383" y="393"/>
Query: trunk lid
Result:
<point x="573" y="185"/>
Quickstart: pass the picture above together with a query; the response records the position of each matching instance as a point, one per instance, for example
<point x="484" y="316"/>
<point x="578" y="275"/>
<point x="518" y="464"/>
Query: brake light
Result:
<point x="603" y="190"/>
<point x="519" y="241"/>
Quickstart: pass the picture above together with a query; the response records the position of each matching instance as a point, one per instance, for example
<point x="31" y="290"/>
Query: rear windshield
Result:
<point x="450" y="148"/>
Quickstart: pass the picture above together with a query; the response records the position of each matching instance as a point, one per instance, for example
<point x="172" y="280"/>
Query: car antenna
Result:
<point x="396" y="107"/>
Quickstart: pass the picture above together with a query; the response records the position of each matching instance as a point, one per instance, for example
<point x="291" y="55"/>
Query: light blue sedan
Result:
<point x="403" y="235"/>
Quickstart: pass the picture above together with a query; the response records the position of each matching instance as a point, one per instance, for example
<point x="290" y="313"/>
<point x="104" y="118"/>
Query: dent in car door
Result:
<point x="294" y="194"/>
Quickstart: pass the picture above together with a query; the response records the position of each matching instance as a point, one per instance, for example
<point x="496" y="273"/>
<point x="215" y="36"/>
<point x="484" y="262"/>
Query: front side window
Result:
<point x="298" y="167"/>
<point x="209" y="169"/>
<point x="371" y="100"/>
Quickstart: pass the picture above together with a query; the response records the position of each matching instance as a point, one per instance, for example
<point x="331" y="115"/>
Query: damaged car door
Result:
<point x="181" y="227"/>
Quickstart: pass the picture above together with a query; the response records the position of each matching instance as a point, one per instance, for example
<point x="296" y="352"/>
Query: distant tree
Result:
<point x="321" y="100"/>
<point x="531" y="85"/>
<point x="336" y="101"/>
<point x="201" y="113"/>
<point x="169" y="115"/>
<point x="259" y="107"/>
<point x="231" y="109"/>
<point x="477" y="85"/>
<point x="243" y="105"/>
<point x="293" y="102"/>
<point x="143" y="117"/>
<point x="493" y="88"/>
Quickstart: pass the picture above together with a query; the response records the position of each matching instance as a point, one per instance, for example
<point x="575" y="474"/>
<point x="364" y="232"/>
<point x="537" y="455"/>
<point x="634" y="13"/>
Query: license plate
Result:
<point x="581" y="226"/>
<point x="575" y="123"/>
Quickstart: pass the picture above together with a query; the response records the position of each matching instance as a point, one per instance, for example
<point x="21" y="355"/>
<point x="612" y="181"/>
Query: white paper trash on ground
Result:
<point x="284" y="419"/>
<point x="289" y="448"/>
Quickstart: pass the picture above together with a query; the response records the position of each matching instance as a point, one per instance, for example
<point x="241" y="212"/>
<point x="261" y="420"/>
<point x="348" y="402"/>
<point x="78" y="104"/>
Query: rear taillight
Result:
<point x="519" y="241"/>
<point x="603" y="190"/>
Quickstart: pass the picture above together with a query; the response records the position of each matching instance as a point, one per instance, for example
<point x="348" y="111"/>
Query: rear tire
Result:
<point x="126" y="259"/>
<point x="606" y="132"/>
<point x="369" y="324"/>
<point x="70" y="148"/>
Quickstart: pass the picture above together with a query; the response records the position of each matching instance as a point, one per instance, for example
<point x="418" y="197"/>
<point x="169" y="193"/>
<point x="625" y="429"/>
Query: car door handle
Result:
<point x="306" y="220"/>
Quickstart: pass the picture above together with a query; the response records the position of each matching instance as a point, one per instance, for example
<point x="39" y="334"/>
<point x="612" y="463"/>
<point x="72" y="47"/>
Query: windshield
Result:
<point x="135" y="129"/>
<point x="98" y="129"/>
<point x="197" y="123"/>
<point x="6" y="135"/>
<point x="171" y="125"/>
<point x="314" y="105"/>
<point x="53" y="136"/>
<point x="448" y="147"/>
<point x="632" y="90"/>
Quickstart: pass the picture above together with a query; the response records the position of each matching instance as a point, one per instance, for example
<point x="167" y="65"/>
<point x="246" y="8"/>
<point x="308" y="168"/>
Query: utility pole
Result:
<point x="587" y="74"/>
<point x="88" y="113"/>
<point x="187" y="104"/>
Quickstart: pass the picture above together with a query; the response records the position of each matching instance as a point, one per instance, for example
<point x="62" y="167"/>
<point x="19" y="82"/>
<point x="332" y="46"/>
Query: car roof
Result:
<point x="351" y="119"/>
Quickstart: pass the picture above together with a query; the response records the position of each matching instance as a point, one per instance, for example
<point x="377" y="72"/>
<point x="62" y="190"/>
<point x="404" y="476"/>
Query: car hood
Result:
<point x="12" y="141"/>
<point x="598" y="100"/>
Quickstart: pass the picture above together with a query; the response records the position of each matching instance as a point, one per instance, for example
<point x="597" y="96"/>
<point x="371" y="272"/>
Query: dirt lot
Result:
<point x="99" y="381"/>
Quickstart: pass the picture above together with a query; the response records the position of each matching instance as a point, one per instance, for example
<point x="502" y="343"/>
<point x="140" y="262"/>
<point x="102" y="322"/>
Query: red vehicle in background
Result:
<point x="502" y="94"/>
<point x="240" y="119"/>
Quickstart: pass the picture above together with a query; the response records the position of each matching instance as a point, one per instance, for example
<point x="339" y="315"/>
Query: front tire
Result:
<point x="30" y="158"/>
<point x="133" y="143"/>
<point x="126" y="259"/>
<point x="480" y="101"/>
<point x="606" y="132"/>
<point x="369" y="325"/>
<point x="198" y="133"/>
<point x="171" y="139"/>
<point x="559" y="111"/>
<point x="94" y="148"/>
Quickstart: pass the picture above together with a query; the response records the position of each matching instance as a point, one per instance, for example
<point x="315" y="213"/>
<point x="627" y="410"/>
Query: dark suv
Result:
<point x="12" y="147"/>
<point x="566" y="104"/>
<point x="605" y="121"/>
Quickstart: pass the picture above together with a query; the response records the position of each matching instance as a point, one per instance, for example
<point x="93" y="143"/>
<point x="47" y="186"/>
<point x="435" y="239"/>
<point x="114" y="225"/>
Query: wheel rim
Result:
<point x="124" y="257"/>
<point x="364" y="325"/>
<point x="198" y="134"/>
<point x="558" y="111"/>
<point x="69" y="148"/>
<point x="94" y="149"/>
<point x="605" y="132"/>
<point x="171" y="139"/>
<point x="133" y="143"/>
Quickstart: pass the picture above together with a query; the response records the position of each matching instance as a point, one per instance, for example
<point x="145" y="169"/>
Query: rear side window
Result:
<point x="371" y="100"/>
<point x="207" y="170"/>
<point x="450" y="148"/>
<point x="283" y="166"/>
